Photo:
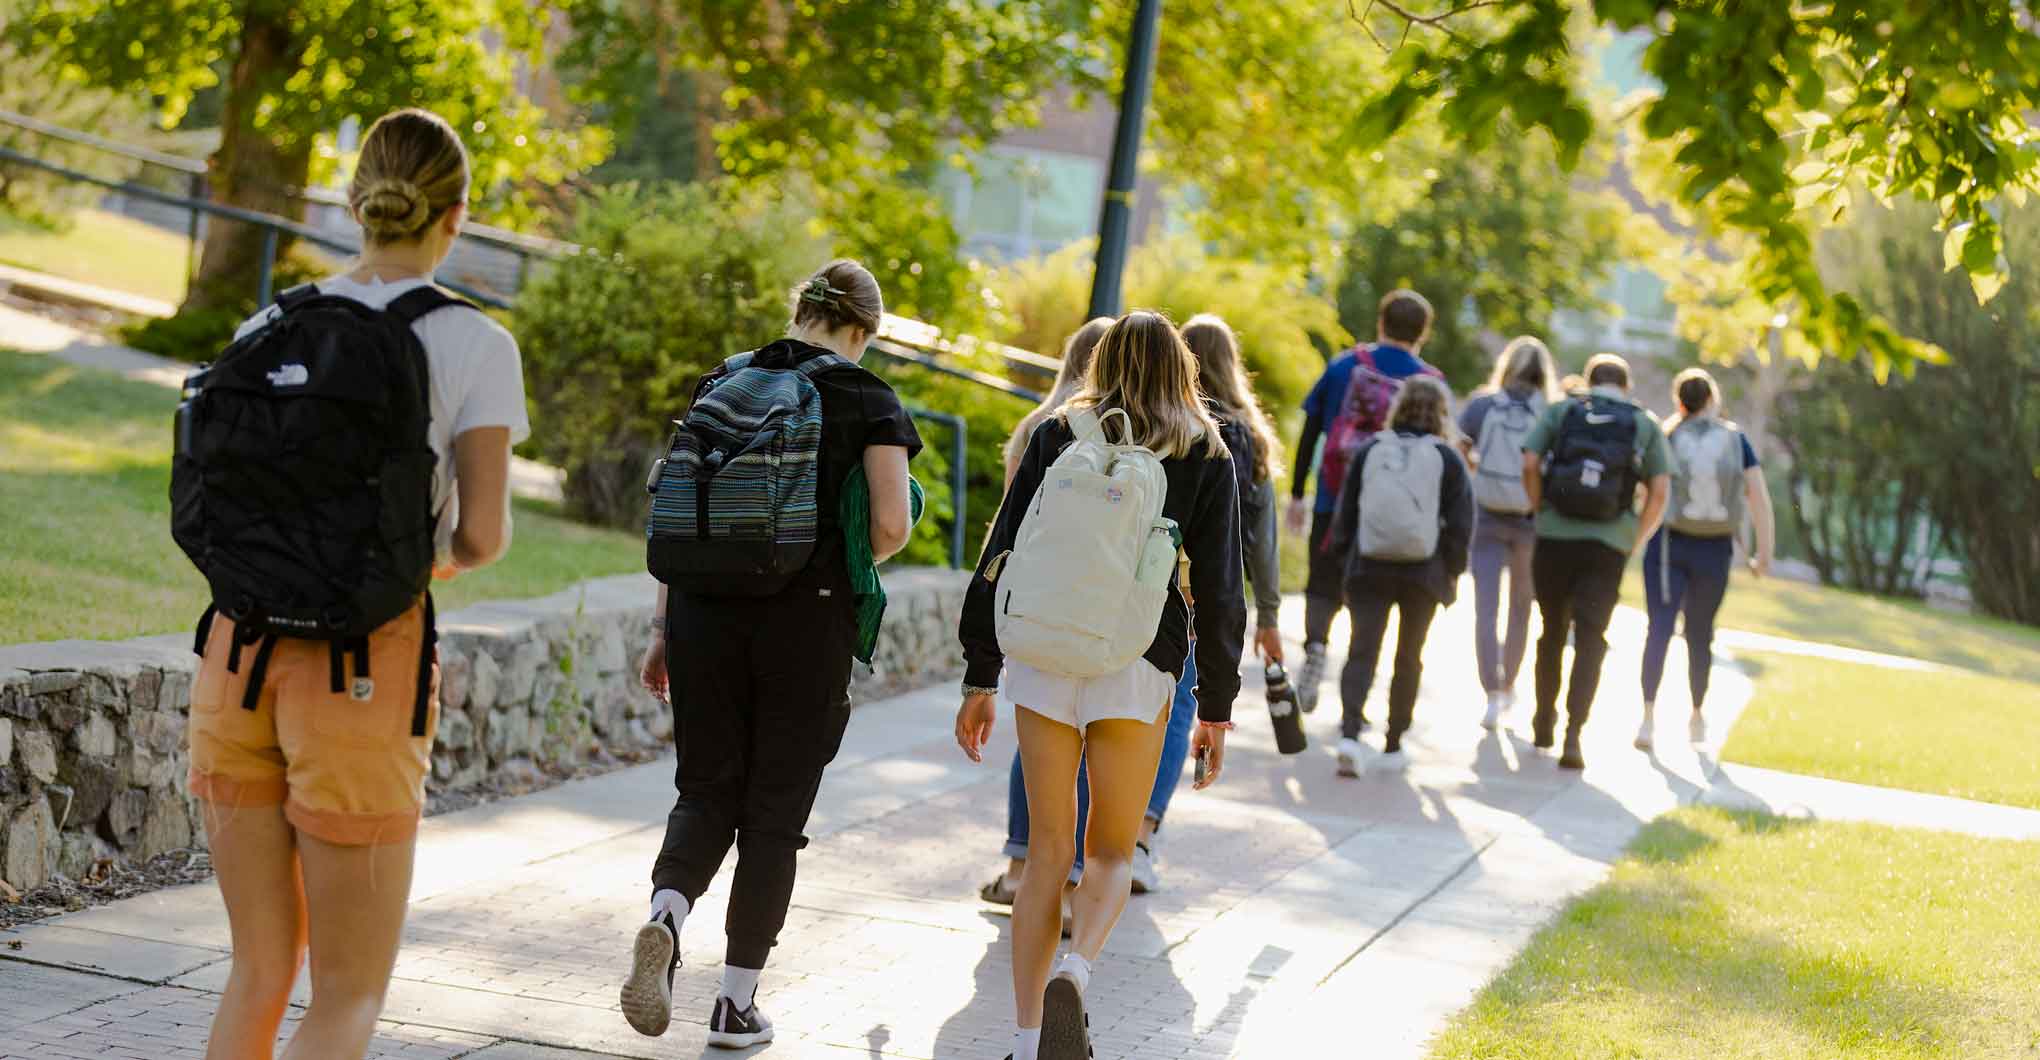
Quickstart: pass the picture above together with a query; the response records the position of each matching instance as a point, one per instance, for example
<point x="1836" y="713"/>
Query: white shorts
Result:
<point x="1135" y="692"/>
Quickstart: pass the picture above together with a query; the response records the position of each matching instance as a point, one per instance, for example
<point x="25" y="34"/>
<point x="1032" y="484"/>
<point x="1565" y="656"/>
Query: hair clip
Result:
<point x="819" y="292"/>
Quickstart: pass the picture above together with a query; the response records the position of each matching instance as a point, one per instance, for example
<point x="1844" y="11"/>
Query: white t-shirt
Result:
<point x="477" y="379"/>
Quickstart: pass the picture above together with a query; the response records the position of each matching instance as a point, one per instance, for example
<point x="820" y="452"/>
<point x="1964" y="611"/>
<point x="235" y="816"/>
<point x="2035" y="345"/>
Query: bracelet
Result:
<point x="1226" y="725"/>
<point x="979" y="690"/>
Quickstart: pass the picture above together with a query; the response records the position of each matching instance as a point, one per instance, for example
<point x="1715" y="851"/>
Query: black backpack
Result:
<point x="302" y="481"/>
<point x="1593" y="472"/>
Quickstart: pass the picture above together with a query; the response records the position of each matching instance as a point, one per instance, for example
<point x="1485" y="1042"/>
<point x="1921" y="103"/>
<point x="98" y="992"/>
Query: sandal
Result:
<point x="998" y="892"/>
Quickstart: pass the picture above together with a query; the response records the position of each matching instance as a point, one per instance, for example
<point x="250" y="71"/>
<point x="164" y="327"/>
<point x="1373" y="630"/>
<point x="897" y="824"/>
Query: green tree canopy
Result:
<point x="296" y="71"/>
<point x="1769" y="116"/>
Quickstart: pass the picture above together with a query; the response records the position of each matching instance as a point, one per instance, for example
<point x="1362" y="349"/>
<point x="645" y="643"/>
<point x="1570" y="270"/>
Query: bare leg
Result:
<point x="254" y="855"/>
<point x="1122" y="755"/>
<point x="356" y="897"/>
<point x="1050" y="752"/>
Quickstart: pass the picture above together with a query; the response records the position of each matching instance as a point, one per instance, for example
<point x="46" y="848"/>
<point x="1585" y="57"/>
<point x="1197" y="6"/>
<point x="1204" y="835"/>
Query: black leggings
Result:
<point x="760" y="702"/>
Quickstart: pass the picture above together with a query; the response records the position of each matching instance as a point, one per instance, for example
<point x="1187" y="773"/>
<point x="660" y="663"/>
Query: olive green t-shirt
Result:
<point x="1618" y="533"/>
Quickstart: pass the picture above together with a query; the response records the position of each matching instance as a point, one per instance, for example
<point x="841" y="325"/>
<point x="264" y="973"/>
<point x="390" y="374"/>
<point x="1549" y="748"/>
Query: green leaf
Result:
<point x="1951" y="246"/>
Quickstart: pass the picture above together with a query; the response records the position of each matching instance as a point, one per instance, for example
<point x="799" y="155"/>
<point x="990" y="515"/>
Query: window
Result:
<point x="1022" y="202"/>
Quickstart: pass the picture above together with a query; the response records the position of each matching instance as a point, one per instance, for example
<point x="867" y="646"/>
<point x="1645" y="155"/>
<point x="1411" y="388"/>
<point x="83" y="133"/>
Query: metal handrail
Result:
<point x="959" y="477"/>
<point x="271" y="225"/>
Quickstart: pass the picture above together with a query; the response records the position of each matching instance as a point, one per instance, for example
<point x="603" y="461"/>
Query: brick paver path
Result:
<point x="1301" y="915"/>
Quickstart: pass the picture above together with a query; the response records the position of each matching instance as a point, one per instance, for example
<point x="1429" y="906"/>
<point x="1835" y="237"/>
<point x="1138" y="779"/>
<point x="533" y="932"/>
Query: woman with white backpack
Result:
<point x="1716" y="478"/>
<point x="1078" y="603"/>
<point x="1492" y="427"/>
<point x="1403" y="521"/>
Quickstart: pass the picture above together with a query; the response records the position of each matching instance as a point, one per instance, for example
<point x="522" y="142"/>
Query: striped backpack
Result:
<point x="734" y="509"/>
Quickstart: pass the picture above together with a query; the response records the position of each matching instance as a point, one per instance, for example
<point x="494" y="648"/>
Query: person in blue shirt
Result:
<point x="1343" y="418"/>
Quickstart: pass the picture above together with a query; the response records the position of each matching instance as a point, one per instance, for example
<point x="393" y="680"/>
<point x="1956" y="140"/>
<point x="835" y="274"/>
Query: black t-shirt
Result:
<point x="858" y="410"/>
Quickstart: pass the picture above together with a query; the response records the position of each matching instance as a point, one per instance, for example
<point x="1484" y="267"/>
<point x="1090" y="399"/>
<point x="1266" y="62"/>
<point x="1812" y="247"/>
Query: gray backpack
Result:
<point x="1498" y="479"/>
<point x="1707" y="478"/>
<point x="1399" y="498"/>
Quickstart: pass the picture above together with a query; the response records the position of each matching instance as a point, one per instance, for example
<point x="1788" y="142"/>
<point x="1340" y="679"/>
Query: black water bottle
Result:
<point x="1282" y="710"/>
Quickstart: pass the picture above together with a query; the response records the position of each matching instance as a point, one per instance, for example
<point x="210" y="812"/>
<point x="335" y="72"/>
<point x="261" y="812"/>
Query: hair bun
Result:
<point x="393" y="209"/>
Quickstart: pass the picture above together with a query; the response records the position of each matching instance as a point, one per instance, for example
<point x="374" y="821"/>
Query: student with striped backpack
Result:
<point x="757" y="623"/>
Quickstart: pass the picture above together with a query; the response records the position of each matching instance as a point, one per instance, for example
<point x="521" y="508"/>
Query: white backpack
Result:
<point x="1399" y="488"/>
<point x="1081" y="593"/>
<point x="1707" y="478"/>
<point x="1498" y="480"/>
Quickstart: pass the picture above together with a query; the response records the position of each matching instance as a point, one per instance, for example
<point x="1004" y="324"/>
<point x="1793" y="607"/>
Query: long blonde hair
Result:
<point x="1069" y="379"/>
<point x="1142" y="368"/>
<point x="1224" y="380"/>
<point x="1525" y="361"/>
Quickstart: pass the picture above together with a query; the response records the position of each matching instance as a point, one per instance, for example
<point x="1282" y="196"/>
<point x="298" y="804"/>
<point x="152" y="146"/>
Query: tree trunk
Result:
<point x="253" y="170"/>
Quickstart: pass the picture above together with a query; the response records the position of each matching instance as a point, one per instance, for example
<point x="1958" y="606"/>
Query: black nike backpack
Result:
<point x="301" y="485"/>
<point x="1593" y="472"/>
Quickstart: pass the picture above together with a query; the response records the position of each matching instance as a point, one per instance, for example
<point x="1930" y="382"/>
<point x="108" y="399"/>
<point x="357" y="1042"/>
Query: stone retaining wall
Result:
<point x="92" y="733"/>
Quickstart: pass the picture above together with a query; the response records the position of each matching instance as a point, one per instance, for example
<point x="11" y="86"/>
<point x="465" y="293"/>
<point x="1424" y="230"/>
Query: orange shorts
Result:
<point x="347" y="770"/>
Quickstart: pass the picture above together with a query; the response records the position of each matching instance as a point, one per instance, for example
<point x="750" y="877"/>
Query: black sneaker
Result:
<point x="731" y="1029"/>
<point x="647" y="997"/>
<point x="1572" y="759"/>
<point x="1065" y="1026"/>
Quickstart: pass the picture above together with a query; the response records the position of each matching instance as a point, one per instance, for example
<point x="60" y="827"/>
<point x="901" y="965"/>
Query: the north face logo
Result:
<point x="290" y="375"/>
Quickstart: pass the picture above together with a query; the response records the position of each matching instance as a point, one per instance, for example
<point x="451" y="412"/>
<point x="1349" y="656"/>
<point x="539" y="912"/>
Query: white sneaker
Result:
<point x="647" y="996"/>
<point x="1349" y="758"/>
<point x="1697" y="728"/>
<point x="1497" y="705"/>
<point x="1646" y="736"/>
<point x="1309" y="676"/>
<point x="1396" y="761"/>
<point x="1144" y="880"/>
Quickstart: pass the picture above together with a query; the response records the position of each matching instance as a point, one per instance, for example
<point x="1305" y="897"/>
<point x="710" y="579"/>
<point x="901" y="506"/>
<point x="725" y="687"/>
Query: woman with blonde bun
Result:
<point x="311" y="795"/>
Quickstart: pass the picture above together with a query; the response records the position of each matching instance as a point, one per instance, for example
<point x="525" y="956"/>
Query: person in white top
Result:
<point x="312" y="828"/>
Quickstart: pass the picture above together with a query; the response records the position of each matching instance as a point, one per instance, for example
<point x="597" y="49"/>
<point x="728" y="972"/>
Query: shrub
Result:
<point x="989" y="417"/>
<point x="673" y="280"/>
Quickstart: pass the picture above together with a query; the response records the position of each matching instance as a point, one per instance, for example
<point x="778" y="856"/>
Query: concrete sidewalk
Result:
<point x="1296" y="909"/>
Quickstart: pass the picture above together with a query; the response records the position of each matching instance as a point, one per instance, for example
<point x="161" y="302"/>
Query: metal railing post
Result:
<point x="192" y="258"/>
<point x="959" y="476"/>
<point x="268" y="267"/>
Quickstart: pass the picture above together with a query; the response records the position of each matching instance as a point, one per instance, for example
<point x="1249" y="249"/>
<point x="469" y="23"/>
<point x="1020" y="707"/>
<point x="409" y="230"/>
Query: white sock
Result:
<point x="740" y="984"/>
<point x="1077" y="968"/>
<point x="670" y="902"/>
<point x="1027" y="1043"/>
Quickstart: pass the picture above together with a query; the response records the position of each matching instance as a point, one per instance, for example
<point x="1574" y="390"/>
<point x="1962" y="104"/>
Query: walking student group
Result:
<point x="352" y="445"/>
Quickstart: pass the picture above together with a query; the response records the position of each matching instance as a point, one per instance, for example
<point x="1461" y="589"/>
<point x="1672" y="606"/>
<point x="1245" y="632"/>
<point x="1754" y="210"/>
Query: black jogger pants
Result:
<point x="760" y="701"/>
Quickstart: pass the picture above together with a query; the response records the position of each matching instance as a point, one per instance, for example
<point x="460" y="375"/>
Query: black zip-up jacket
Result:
<point x="1439" y="575"/>
<point x="1204" y="501"/>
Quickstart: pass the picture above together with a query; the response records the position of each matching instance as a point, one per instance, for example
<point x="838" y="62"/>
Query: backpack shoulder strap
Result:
<point x="411" y="305"/>
<point x="738" y="363"/>
<point x="1085" y="424"/>
<point x="297" y="296"/>
<point x="826" y="362"/>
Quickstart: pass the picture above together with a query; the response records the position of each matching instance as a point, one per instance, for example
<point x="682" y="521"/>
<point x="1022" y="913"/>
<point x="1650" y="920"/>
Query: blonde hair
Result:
<point x="1076" y="364"/>
<point x="1423" y="405"/>
<point x="841" y="294"/>
<point x="1694" y="391"/>
<point x="413" y="168"/>
<point x="1142" y="368"/>
<point x="1224" y="380"/>
<point x="1525" y="361"/>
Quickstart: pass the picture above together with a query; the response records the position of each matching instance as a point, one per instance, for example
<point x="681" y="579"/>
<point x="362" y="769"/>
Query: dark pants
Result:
<point x="1577" y="586"/>
<point x="760" y="702"/>
<point x="1691" y="577"/>
<point x="1325" y="591"/>
<point x="1368" y="601"/>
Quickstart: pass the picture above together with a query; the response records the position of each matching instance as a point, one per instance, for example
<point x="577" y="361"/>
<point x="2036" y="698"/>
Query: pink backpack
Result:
<point x="1362" y="414"/>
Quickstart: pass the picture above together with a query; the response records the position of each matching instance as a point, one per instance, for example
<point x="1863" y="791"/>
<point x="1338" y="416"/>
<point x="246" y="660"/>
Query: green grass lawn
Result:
<point x="102" y="248"/>
<point x="84" y="483"/>
<point x="1960" y="733"/>
<point x="1871" y="623"/>
<point x="1724" y="935"/>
